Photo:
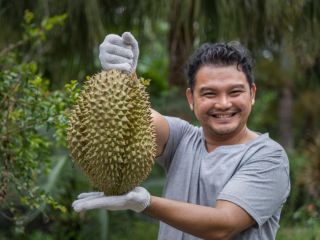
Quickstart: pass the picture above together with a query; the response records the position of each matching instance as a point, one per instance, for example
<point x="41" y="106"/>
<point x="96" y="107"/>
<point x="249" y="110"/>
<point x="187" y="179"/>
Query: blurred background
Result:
<point x="47" y="50"/>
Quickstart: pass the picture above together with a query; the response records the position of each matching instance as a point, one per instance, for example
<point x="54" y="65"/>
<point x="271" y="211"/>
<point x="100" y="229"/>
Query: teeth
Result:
<point x="223" y="116"/>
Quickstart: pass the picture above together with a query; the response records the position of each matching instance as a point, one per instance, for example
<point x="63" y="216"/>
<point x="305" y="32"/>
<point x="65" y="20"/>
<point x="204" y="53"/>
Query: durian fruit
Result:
<point x="110" y="133"/>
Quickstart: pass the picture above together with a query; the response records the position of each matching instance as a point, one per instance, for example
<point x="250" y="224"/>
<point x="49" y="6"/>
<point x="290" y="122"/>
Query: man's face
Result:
<point x="221" y="100"/>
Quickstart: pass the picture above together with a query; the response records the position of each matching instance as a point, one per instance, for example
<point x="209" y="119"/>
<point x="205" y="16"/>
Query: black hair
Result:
<point x="220" y="54"/>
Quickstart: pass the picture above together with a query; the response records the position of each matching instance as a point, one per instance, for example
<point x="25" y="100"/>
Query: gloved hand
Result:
<point x="137" y="200"/>
<point x="119" y="53"/>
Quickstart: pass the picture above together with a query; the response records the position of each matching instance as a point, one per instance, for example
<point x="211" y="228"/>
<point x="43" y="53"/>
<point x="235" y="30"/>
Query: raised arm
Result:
<point x="162" y="131"/>
<point x="121" y="53"/>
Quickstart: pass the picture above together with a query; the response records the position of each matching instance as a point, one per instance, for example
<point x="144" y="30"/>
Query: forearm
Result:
<point x="200" y="221"/>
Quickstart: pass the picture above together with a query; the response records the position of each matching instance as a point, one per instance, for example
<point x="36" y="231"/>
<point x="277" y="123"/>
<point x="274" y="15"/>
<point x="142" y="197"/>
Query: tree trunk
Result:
<point x="285" y="117"/>
<point x="181" y="38"/>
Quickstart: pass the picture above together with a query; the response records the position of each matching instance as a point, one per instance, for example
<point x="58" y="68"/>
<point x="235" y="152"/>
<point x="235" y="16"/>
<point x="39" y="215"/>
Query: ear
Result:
<point x="253" y="91"/>
<point x="189" y="95"/>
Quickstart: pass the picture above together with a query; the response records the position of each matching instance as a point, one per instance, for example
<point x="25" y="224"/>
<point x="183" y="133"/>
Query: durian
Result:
<point x="110" y="133"/>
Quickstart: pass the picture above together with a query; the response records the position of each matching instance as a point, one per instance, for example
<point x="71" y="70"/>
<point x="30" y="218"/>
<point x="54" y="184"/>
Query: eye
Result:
<point x="208" y="94"/>
<point x="235" y="93"/>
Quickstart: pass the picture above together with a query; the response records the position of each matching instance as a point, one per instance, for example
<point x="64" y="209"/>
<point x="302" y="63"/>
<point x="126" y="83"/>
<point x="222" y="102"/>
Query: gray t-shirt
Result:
<point x="255" y="176"/>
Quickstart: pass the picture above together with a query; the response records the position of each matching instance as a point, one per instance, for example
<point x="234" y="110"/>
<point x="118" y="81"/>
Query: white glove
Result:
<point x="137" y="200"/>
<point x="119" y="53"/>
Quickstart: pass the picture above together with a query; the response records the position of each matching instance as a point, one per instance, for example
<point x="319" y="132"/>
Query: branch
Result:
<point x="7" y="156"/>
<point x="11" y="47"/>
<point x="4" y="178"/>
<point x="51" y="181"/>
<point x="14" y="89"/>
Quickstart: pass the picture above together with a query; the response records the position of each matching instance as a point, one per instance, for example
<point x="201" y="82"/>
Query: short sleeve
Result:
<point x="260" y="187"/>
<point x="177" y="129"/>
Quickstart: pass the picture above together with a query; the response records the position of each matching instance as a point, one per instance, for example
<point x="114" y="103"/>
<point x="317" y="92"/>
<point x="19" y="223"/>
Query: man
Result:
<point x="224" y="181"/>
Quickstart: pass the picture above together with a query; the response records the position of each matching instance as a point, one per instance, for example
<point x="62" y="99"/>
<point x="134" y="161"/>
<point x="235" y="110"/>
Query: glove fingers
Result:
<point x="115" y="41"/>
<point x="128" y="38"/>
<point x="123" y="50"/>
<point x="115" y="53"/>
<point x="83" y="202"/>
<point x="80" y="205"/>
<point x="90" y="194"/>
<point x="115" y="59"/>
<point x="137" y="200"/>
<point x="111" y="203"/>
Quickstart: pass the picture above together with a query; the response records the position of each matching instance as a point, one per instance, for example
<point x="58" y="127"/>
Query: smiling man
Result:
<point x="221" y="99"/>
<point x="224" y="181"/>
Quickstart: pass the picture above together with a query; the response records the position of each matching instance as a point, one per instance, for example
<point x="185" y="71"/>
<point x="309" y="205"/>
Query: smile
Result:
<point x="223" y="115"/>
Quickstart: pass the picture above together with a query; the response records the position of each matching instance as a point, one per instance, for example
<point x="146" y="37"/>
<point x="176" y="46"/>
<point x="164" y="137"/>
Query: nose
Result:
<point x="223" y="102"/>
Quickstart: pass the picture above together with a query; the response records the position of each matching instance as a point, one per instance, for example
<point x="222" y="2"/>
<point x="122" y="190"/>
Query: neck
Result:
<point x="244" y="136"/>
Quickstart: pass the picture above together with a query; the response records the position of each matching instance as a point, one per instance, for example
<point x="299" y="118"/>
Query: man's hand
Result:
<point x="119" y="53"/>
<point x="137" y="200"/>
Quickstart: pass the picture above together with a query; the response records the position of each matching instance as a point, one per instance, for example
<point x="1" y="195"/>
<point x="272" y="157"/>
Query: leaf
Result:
<point x="28" y="16"/>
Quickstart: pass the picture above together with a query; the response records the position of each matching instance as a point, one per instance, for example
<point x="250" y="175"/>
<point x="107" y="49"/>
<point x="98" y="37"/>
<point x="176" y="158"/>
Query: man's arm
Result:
<point x="162" y="131"/>
<point x="122" y="52"/>
<point x="220" y="222"/>
<point x="223" y="221"/>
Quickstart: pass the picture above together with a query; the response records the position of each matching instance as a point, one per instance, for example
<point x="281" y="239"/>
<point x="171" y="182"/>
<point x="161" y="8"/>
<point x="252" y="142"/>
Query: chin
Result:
<point x="223" y="131"/>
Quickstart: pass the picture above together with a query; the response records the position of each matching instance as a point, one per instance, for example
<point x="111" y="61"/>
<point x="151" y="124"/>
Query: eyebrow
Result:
<point x="203" y="89"/>
<point x="239" y="86"/>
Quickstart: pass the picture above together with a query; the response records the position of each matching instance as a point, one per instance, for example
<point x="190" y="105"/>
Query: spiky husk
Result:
<point x="110" y="134"/>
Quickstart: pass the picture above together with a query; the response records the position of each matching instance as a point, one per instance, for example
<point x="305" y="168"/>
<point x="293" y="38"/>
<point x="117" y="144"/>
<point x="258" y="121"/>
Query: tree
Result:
<point x="28" y="111"/>
<point x="182" y="19"/>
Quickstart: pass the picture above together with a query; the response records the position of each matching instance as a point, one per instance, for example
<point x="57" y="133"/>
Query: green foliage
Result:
<point x="130" y="226"/>
<point x="33" y="121"/>
<point x="260" y="120"/>
<point x="299" y="232"/>
<point x="37" y="32"/>
<point x="153" y="62"/>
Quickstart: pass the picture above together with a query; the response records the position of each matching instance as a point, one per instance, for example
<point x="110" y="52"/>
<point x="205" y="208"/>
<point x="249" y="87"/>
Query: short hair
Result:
<point x="220" y="54"/>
